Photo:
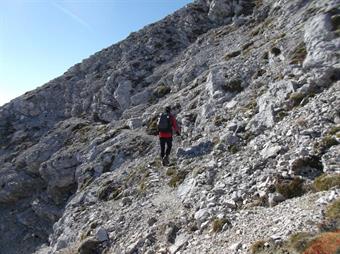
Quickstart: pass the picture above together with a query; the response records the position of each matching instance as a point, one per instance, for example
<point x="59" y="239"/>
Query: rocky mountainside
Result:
<point x="255" y="87"/>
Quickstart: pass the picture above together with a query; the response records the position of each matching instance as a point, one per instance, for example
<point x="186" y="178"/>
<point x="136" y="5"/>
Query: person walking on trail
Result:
<point x="166" y="125"/>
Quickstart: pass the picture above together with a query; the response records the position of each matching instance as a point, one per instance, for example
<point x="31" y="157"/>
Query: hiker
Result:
<point x="166" y="125"/>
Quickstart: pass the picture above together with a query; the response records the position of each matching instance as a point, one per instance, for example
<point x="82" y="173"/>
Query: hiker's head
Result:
<point x="167" y="109"/>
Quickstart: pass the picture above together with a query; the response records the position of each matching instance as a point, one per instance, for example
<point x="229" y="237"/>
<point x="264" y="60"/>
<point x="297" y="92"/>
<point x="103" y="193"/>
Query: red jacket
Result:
<point x="163" y="134"/>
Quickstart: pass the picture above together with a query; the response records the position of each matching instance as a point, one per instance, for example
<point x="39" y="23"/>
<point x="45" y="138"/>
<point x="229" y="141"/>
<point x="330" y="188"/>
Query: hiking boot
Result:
<point x="165" y="161"/>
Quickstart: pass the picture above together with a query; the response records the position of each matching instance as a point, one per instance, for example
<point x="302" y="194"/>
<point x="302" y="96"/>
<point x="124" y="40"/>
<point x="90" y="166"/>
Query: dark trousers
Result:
<point x="168" y="143"/>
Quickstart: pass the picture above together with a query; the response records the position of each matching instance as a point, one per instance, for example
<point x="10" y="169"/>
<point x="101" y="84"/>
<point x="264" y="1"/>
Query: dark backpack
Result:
<point x="164" y="123"/>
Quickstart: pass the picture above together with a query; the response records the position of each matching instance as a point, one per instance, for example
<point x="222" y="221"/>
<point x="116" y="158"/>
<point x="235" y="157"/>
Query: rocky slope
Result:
<point x="255" y="86"/>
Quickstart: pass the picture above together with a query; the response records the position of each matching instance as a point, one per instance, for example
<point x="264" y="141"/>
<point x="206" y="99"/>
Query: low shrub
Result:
<point x="109" y="191"/>
<point x="142" y="186"/>
<point x="302" y="122"/>
<point x="325" y="243"/>
<point x="233" y="149"/>
<point x="265" y="55"/>
<point x="219" y="120"/>
<point x="247" y="45"/>
<point x="299" y="54"/>
<point x="233" y="86"/>
<point x="281" y="115"/>
<point x="275" y="51"/>
<point x="161" y="91"/>
<point x="232" y="55"/>
<point x="73" y="249"/>
<point x="258" y="3"/>
<point x="257" y="246"/>
<point x="259" y="73"/>
<point x="335" y="19"/>
<point x="333" y="210"/>
<point x="334" y="130"/>
<point x="252" y="105"/>
<point x="299" y="241"/>
<point x="152" y="127"/>
<point x="324" y="144"/>
<point x="218" y="224"/>
<point x="171" y="171"/>
<point x="291" y="188"/>
<point x="325" y="182"/>
<point x="331" y="222"/>
<point x="177" y="178"/>
<point x="296" y="98"/>
<point x="310" y="161"/>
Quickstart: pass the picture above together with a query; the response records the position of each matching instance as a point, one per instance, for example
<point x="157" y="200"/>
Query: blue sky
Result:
<point x="41" y="39"/>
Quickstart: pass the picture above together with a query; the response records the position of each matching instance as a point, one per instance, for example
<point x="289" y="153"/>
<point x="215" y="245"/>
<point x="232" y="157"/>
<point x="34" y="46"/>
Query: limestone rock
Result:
<point x="122" y="94"/>
<point x="200" y="149"/>
<point x="101" y="234"/>
<point x="255" y="88"/>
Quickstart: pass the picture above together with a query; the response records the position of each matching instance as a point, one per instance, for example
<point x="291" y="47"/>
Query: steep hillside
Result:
<point x="255" y="86"/>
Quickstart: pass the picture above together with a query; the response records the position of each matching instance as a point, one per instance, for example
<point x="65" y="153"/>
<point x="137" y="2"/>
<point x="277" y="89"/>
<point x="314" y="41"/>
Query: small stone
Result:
<point x="126" y="201"/>
<point x="276" y="237"/>
<point x="212" y="204"/>
<point x="235" y="246"/>
<point x="101" y="234"/>
<point x="201" y="214"/>
<point x="275" y="198"/>
<point x="204" y="224"/>
<point x="135" y="123"/>
<point x="151" y="221"/>
<point x="230" y="204"/>
<point x="269" y="152"/>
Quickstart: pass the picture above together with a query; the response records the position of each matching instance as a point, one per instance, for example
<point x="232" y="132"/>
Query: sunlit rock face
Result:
<point x="254" y="86"/>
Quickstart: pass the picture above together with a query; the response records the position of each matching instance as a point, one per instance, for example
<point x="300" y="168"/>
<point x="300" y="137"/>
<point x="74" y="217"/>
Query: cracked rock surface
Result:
<point x="255" y="88"/>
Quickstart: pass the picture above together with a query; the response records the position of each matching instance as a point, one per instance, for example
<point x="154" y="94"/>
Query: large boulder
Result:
<point x="122" y="94"/>
<point x="269" y="103"/>
<point x="59" y="173"/>
<point x="321" y="44"/>
<point x="201" y="148"/>
<point x="16" y="185"/>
